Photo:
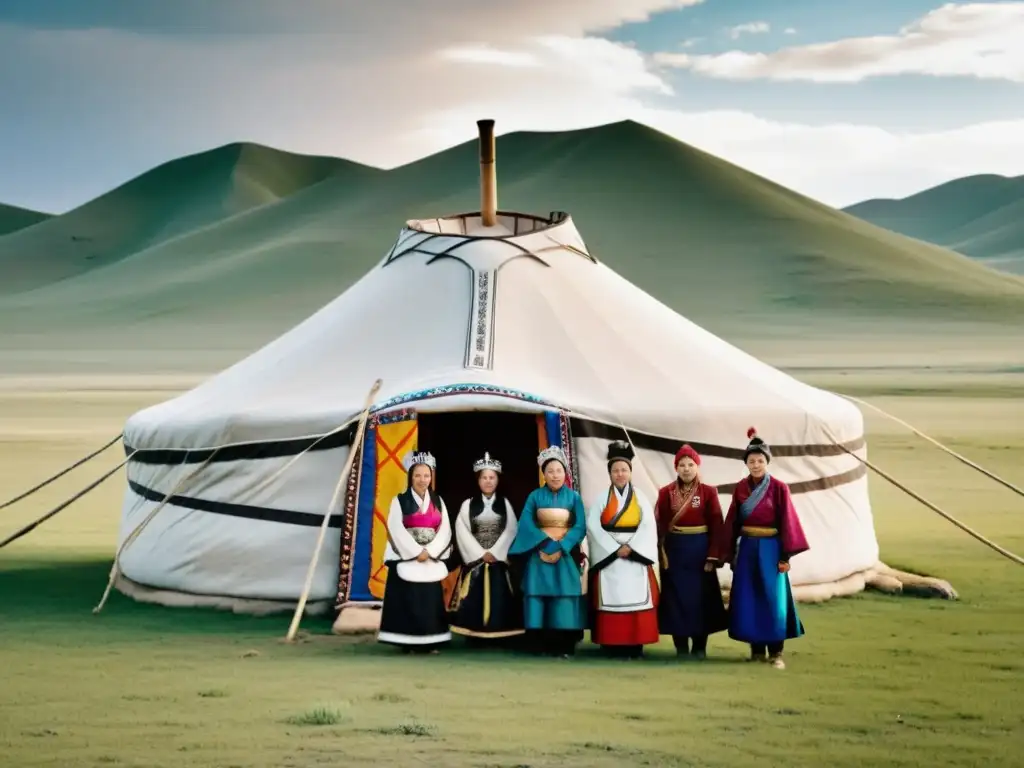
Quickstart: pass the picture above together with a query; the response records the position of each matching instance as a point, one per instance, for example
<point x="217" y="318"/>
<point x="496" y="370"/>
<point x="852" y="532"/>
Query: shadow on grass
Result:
<point x="56" y="599"/>
<point x="60" y="596"/>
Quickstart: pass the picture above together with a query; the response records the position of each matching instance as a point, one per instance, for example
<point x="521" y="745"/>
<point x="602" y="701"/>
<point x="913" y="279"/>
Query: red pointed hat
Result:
<point x="687" y="450"/>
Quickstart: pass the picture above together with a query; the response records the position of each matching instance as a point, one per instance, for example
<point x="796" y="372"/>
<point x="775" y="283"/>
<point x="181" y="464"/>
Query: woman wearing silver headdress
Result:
<point x="484" y="604"/>
<point x="419" y="541"/>
<point x="552" y="526"/>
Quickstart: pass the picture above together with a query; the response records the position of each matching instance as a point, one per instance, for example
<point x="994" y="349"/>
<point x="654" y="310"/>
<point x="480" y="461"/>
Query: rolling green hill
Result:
<point x="979" y="216"/>
<point x="13" y="218"/>
<point x="173" y="199"/>
<point x="240" y="264"/>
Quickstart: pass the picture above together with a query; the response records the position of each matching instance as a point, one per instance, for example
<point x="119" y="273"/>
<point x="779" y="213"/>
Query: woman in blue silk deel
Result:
<point x="763" y="534"/>
<point x="552" y="525"/>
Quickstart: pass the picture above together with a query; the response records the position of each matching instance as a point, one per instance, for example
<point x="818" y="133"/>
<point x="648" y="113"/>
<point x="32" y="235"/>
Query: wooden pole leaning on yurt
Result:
<point x="488" y="176"/>
<point x="293" y="628"/>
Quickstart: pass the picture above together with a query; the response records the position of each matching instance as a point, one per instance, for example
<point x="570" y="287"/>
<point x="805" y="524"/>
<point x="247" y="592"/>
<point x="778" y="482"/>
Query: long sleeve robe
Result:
<point x="703" y="509"/>
<point x="404" y="549"/>
<point x="691" y="598"/>
<point x="540" y="579"/>
<point x="617" y="518"/>
<point x="775" y="510"/>
<point x="761" y="605"/>
<point x="470" y="549"/>
<point x="484" y="603"/>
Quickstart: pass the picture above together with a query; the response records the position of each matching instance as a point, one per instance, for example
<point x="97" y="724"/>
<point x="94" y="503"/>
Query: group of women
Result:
<point x="524" y="575"/>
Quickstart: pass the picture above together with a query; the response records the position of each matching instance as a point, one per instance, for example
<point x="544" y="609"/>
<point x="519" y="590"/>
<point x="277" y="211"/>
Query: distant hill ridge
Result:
<point x="980" y="216"/>
<point x="13" y="218"/>
<point x="174" y="198"/>
<point x="241" y="242"/>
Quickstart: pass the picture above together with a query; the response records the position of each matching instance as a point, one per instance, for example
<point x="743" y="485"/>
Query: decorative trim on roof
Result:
<point x="413" y="240"/>
<point x="462" y="389"/>
<point x="480" y="338"/>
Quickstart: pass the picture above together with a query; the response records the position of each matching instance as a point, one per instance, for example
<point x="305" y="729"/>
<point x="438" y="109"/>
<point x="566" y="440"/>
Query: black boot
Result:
<point x="700" y="647"/>
<point x="682" y="644"/>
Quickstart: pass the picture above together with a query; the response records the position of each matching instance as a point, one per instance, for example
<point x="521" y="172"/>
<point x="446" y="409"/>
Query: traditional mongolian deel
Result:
<point x="623" y="589"/>
<point x="414" y="611"/>
<point x="762" y="530"/>
<point x="484" y="603"/>
<point x="690" y="530"/>
<point x="552" y="523"/>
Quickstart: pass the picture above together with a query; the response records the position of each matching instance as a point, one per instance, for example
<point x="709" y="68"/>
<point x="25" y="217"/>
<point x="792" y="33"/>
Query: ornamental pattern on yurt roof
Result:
<point x="523" y="234"/>
<point x="480" y="340"/>
<point x="462" y="389"/>
<point x="445" y="244"/>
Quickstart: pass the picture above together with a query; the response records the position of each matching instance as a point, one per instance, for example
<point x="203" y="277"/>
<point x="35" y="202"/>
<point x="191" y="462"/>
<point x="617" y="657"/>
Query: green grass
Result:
<point x="318" y="716"/>
<point x="878" y="680"/>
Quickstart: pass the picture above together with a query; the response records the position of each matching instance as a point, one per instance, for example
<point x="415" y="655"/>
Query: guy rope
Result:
<point x="962" y="526"/>
<point x="967" y="529"/>
<point x="80" y="462"/>
<point x="936" y="443"/>
<point x="116" y="567"/>
<point x="63" y="505"/>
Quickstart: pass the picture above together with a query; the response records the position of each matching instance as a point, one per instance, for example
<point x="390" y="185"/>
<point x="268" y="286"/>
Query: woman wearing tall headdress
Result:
<point x="622" y="537"/>
<point x="763" y="534"/>
<point x="690" y="531"/>
<point x="419" y="541"/>
<point x="484" y="604"/>
<point x="552" y="526"/>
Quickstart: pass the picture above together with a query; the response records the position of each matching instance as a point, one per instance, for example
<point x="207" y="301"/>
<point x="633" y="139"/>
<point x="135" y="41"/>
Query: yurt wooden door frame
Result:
<point x="456" y="439"/>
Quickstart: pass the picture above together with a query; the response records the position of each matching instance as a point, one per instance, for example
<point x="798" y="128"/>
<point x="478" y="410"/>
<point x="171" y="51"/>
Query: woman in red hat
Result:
<point x="690" y="529"/>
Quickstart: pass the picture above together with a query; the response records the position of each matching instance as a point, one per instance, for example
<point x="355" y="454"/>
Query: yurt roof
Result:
<point x="496" y="310"/>
<point x="563" y="330"/>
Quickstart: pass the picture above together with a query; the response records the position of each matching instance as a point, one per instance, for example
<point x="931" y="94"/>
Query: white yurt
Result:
<point x="491" y="331"/>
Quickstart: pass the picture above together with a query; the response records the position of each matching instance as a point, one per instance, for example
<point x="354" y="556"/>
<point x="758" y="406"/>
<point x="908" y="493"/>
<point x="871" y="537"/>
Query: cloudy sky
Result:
<point x="838" y="100"/>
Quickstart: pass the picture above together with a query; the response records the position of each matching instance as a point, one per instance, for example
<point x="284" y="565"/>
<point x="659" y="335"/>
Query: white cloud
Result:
<point x="789" y="31"/>
<point x="619" y="69"/>
<point x="364" y="86"/>
<point x="750" y="28"/>
<point x="843" y="163"/>
<point x="838" y="164"/>
<point x="388" y="94"/>
<point x="981" y="40"/>
<point x="485" y="54"/>
<point x="677" y="60"/>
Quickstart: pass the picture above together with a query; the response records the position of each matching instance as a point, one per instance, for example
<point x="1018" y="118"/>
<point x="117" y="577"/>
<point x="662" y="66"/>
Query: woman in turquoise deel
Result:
<point x="552" y="525"/>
